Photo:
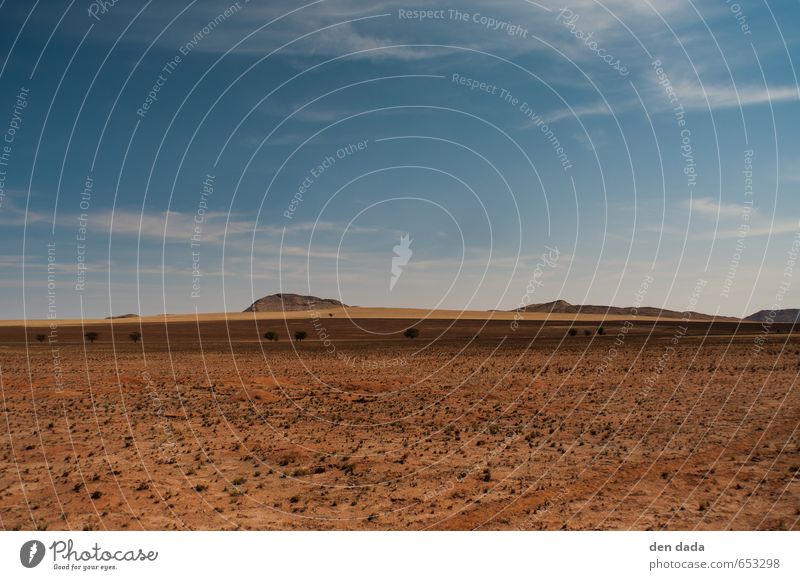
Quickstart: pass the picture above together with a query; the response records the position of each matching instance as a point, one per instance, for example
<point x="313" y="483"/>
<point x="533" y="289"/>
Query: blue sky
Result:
<point x="617" y="132"/>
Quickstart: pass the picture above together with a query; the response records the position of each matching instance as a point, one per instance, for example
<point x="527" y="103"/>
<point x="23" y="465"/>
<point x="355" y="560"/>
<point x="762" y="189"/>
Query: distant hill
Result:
<point x="788" y="315"/>
<point x="122" y="316"/>
<point x="564" y="307"/>
<point x="291" y="303"/>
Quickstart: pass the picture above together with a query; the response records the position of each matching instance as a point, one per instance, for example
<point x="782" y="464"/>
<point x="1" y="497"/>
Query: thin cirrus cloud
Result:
<point x="696" y="96"/>
<point x="170" y="225"/>
<point x="776" y="228"/>
<point x="712" y="208"/>
<point x="578" y="111"/>
<point x="175" y="226"/>
<point x="692" y="96"/>
<point x="766" y="229"/>
<point x="337" y="27"/>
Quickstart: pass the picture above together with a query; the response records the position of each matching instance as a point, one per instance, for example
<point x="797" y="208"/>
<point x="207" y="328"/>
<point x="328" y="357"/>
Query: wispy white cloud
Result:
<point x="169" y="225"/>
<point x="12" y="212"/>
<point x="175" y="226"/>
<point x="778" y="228"/>
<point x="713" y="208"/>
<point x="578" y="111"/>
<point x="716" y="96"/>
<point x="352" y="26"/>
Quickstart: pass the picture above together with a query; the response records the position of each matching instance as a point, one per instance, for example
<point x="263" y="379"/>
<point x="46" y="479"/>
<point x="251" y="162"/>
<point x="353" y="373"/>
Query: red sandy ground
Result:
<point x="527" y="429"/>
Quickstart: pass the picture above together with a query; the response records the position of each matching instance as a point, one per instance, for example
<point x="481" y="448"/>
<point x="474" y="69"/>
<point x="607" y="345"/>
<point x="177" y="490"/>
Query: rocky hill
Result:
<point x="292" y="302"/>
<point x="564" y="307"/>
<point x="787" y="315"/>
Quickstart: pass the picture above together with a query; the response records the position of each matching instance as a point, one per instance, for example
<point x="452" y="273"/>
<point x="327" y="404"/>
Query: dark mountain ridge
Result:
<point x="292" y="303"/>
<point x="564" y="307"/>
<point x="288" y="302"/>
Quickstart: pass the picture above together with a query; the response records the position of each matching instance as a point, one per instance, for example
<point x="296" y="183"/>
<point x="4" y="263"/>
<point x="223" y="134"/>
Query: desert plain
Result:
<point x="477" y="423"/>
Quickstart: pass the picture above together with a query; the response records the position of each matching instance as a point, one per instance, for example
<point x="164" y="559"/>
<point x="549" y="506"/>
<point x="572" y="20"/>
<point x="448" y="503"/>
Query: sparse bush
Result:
<point x="300" y="335"/>
<point x="41" y="337"/>
<point x="411" y="333"/>
<point x="587" y="332"/>
<point x="97" y="494"/>
<point x="601" y="331"/>
<point x="200" y="487"/>
<point x="572" y="331"/>
<point x="135" y="335"/>
<point x="91" y="336"/>
<point x="239" y="481"/>
<point x="270" y="335"/>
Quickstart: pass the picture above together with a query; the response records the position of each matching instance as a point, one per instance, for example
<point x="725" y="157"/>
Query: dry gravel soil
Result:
<point x="470" y="426"/>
